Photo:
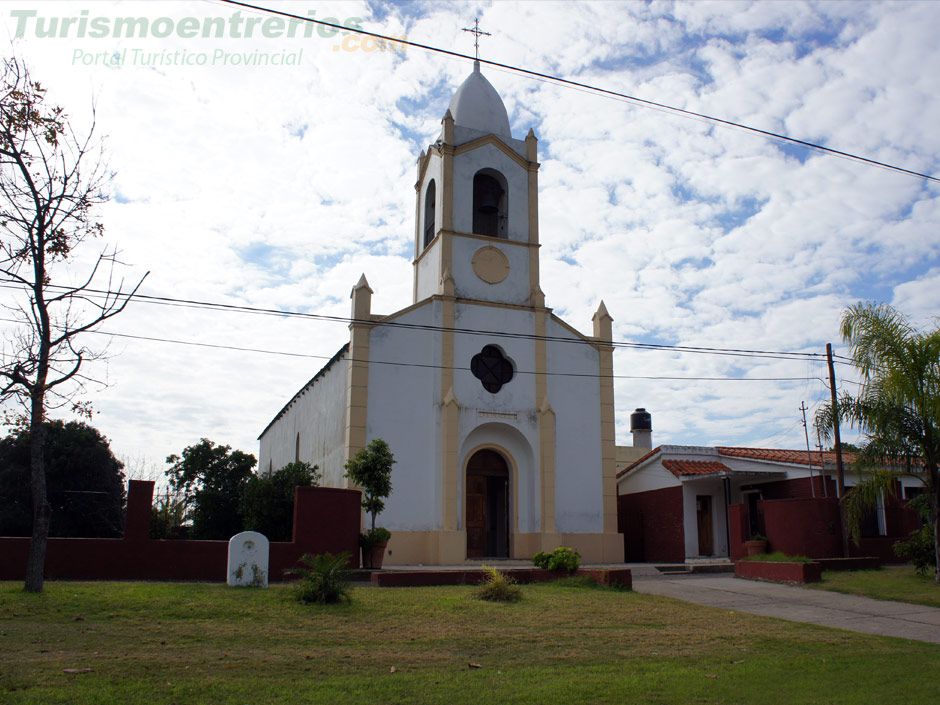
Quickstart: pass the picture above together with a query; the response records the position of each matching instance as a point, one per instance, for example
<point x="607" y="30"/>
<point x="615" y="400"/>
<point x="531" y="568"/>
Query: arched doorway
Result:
<point x="487" y="510"/>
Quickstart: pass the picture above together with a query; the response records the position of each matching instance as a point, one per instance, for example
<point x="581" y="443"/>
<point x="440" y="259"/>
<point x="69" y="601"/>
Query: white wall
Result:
<point x="514" y="289"/>
<point x="577" y="405"/>
<point x="404" y="409"/>
<point x="319" y="416"/>
<point x="651" y="477"/>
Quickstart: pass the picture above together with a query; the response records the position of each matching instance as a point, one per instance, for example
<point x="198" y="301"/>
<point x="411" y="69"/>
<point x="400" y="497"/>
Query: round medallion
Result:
<point x="490" y="264"/>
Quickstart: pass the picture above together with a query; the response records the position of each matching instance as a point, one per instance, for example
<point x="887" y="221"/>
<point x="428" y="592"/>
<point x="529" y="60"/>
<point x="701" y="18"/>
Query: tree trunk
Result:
<point x="36" y="563"/>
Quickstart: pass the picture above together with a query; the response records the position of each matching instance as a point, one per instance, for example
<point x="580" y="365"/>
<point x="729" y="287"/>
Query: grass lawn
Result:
<point x="206" y="643"/>
<point x="894" y="582"/>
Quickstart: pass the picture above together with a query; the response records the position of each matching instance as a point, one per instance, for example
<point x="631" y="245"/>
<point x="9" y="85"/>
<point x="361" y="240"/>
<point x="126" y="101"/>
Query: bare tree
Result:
<point x="50" y="182"/>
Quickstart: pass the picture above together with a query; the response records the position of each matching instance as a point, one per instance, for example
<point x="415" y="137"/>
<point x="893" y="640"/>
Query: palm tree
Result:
<point x="897" y="408"/>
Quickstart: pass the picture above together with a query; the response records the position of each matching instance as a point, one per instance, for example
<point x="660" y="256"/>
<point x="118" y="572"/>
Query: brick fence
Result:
<point x="325" y="520"/>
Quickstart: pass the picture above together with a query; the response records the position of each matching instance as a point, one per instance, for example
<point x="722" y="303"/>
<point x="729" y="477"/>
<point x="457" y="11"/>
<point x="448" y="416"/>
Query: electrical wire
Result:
<point x="237" y="308"/>
<point x="600" y="91"/>
<point x="235" y="348"/>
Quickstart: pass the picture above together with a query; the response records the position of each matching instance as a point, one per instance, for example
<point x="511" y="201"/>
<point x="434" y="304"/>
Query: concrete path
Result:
<point x="831" y="609"/>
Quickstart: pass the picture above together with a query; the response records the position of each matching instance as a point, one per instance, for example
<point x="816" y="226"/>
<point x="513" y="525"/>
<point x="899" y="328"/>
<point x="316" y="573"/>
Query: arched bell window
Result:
<point x="489" y="203"/>
<point x="430" y="205"/>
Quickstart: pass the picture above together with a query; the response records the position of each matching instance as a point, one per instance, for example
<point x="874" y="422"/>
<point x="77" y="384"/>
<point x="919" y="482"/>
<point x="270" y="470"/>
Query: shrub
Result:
<point x="561" y="558"/>
<point x="373" y="537"/>
<point x="267" y="502"/>
<point x="324" y="579"/>
<point x="498" y="587"/>
<point x="919" y="547"/>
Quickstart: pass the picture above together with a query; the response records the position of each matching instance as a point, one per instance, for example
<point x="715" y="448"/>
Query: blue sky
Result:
<point x="279" y="186"/>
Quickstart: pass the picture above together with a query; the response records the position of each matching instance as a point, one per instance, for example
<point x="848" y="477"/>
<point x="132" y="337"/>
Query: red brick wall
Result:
<point x="325" y="520"/>
<point x="812" y="527"/>
<point x="737" y="529"/>
<point x="803" y="527"/>
<point x="652" y="526"/>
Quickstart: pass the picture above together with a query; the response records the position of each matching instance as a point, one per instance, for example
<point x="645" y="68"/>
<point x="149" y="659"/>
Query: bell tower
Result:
<point x="476" y="213"/>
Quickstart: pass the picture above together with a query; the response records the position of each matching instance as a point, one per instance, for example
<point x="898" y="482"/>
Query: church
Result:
<point x="499" y="414"/>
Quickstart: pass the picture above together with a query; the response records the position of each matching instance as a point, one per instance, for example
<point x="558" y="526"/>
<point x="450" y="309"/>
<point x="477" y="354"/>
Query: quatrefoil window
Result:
<point x="491" y="368"/>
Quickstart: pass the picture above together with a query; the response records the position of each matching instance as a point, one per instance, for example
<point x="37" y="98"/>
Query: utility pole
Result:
<point x="840" y="471"/>
<point x="809" y="456"/>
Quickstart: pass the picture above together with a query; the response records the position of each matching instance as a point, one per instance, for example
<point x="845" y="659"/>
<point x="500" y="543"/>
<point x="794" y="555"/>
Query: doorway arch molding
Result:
<point x="522" y="460"/>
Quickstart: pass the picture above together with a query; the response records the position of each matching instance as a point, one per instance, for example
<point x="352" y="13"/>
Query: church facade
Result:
<point x="500" y="415"/>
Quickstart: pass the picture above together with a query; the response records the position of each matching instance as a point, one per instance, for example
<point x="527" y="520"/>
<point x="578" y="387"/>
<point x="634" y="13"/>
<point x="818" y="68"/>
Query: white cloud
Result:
<point x="277" y="187"/>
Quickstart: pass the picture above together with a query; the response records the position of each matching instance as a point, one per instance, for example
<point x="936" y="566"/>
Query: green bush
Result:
<point x="561" y="558"/>
<point x="919" y="546"/>
<point x="324" y="579"/>
<point x="498" y="587"/>
<point x="373" y="537"/>
<point x="267" y="501"/>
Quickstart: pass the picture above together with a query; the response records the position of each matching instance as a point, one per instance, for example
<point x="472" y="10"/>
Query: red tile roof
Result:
<point x="794" y="457"/>
<point x="694" y="467"/>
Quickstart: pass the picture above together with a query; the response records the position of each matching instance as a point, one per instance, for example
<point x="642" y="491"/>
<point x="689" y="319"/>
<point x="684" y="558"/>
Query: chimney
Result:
<point x="641" y="426"/>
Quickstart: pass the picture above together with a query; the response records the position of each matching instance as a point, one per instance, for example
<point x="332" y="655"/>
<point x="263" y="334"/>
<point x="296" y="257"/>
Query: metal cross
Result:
<point x="477" y="32"/>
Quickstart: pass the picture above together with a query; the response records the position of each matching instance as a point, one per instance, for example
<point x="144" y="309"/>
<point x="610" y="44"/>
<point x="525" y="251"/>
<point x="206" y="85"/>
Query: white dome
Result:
<point x="477" y="105"/>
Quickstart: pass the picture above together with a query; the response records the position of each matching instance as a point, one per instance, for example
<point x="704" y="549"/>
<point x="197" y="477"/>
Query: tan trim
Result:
<point x="596" y="548"/>
<point x="533" y="207"/>
<point x="450" y="417"/>
<point x="490" y="239"/>
<point x="608" y="439"/>
<point x="490" y="264"/>
<point x="450" y="547"/>
<point x="546" y="458"/>
<point x="357" y="379"/>
<point x="499" y="144"/>
<point x="447" y="187"/>
<point x="423" y="161"/>
<point x="427" y="548"/>
<point x="425" y="251"/>
<point x="418" y="238"/>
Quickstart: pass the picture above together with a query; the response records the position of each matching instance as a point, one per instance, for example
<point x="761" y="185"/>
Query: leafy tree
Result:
<point x="213" y="477"/>
<point x="897" y="408"/>
<point x="371" y="469"/>
<point x="51" y="180"/>
<point x="268" y="500"/>
<point x="85" y="483"/>
<point x="171" y="516"/>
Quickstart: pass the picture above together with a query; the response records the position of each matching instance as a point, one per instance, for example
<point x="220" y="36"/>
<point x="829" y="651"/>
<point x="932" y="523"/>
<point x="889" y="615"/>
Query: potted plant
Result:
<point x="756" y="546"/>
<point x="371" y="470"/>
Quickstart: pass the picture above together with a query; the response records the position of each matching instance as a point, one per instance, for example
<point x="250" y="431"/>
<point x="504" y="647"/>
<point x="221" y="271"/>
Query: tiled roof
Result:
<point x="694" y="467"/>
<point x="794" y="457"/>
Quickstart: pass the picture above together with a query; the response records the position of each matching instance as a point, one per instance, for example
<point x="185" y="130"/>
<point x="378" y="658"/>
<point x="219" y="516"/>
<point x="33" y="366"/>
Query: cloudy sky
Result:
<point x="275" y="186"/>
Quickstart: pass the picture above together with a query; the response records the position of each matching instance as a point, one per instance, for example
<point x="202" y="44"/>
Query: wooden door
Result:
<point x="476" y="516"/>
<point x="703" y="511"/>
<point x="487" y="505"/>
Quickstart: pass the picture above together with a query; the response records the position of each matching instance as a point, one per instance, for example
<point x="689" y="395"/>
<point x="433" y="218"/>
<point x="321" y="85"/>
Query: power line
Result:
<point x="237" y="308"/>
<point x="235" y="348"/>
<point x="602" y="91"/>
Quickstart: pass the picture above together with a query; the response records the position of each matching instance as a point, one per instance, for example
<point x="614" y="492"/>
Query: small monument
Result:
<point x="248" y="554"/>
